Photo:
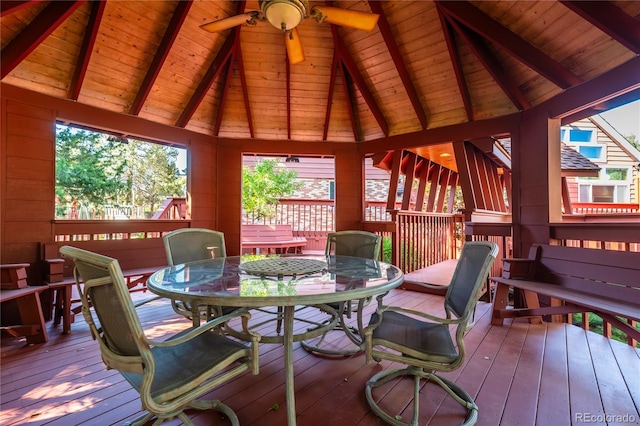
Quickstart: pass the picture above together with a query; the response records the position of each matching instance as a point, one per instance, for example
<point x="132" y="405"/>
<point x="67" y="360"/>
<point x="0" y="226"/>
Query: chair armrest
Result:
<point x="419" y="314"/>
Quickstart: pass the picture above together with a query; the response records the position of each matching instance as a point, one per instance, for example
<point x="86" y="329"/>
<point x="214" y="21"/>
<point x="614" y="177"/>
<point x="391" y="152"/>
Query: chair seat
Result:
<point x="174" y="375"/>
<point x="419" y="339"/>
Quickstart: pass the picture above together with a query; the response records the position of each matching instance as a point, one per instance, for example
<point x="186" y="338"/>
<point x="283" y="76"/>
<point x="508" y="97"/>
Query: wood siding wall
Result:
<point x="27" y="152"/>
<point x="28" y="180"/>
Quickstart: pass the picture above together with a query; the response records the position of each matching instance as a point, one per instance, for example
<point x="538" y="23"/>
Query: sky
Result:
<point x="625" y="119"/>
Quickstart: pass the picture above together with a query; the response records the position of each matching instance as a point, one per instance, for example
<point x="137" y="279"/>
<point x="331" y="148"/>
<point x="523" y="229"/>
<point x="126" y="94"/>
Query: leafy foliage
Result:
<point x="88" y="168"/>
<point x="633" y="140"/>
<point x="94" y="170"/>
<point x="264" y="185"/>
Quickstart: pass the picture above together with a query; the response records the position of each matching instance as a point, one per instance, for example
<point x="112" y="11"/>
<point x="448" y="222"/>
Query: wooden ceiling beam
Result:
<point x="445" y="178"/>
<point x="624" y="99"/>
<point x="360" y="83"/>
<point x="332" y="83"/>
<point x="611" y="20"/>
<point x="54" y="14"/>
<point x="517" y="47"/>
<point x="464" y="175"/>
<point x="614" y="83"/>
<point x="453" y="185"/>
<point x="433" y="188"/>
<point x="243" y="81"/>
<point x="214" y="69"/>
<point x="491" y="126"/>
<point x="393" y="179"/>
<point x="492" y="65"/>
<point x="179" y="15"/>
<point x="223" y="95"/>
<point x="349" y="97"/>
<point x="8" y="7"/>
<point x="423" y="173"/>
<point x="447" y="30"/>
<point x="88" y="41"/>
<point x="410" y="160"/>
<point x="398" y="61"/>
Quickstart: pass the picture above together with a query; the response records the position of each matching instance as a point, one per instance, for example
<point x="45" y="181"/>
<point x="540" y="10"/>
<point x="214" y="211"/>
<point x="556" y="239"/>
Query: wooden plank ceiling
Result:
<point x="427" y="63"/>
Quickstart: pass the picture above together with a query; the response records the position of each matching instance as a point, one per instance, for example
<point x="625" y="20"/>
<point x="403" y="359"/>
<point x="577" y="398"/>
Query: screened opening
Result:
<point x="102" y="176"/>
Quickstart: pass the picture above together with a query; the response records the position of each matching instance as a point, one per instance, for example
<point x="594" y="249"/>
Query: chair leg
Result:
<point x="459" y="394"/>
<point x="199" y="404"/>
<point x="351" y="332"/>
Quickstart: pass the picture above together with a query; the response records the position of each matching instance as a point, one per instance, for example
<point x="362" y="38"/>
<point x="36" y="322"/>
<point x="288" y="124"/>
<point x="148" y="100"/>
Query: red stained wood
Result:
<point x="519" y="48"/>
<point x="66" y="373"/>
<point x="88" y="42"/>
<point x="610" y="19"/>
<point x="43" y="25"/>
<point x="179" y="15"/>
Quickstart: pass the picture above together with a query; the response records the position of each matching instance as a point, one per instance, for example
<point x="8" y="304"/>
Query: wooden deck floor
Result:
<point x="549" y="374"/>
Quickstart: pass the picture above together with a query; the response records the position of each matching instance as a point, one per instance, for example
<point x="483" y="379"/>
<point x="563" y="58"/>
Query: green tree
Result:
<point x="264" y="185"/>
<point x="633" y="140"/>
<point x="153" y="175"/>
<point x="88" y="168"/>
<point x="95" y="170"/>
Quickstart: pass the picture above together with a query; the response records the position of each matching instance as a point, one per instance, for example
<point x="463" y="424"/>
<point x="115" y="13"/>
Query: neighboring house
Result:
<point x="619" y="162"/>
<point x="318" y="177"/>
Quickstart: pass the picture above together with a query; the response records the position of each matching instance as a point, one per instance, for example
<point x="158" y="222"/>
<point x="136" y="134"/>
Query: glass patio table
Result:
<point x="283" y="282"/>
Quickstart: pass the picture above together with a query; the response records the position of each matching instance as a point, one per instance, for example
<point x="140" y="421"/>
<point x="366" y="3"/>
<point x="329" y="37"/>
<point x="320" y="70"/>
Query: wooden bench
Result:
<point x="30" y="313"/>
<point x="604" y="282"/>
<point x="271" y="239"/>
<point x="13" y="275"/>
<point x="62" y="289"/>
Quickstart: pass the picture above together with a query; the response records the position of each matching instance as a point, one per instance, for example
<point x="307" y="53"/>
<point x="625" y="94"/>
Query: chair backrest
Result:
<point x="103" y="291"/>
<point x="191" y="244"/>
<point x="470" y="275"/>
<point x="354" y="243"/>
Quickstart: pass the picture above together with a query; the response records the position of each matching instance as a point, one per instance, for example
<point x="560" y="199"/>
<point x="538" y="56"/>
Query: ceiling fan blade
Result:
<point x="294" y="46"/>
<point x="344" y="17"/>
<point x="226" y="23"/>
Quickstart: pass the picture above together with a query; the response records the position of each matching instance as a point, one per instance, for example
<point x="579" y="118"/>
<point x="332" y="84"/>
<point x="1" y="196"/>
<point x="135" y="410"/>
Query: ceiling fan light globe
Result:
<point x="284" y="14"/>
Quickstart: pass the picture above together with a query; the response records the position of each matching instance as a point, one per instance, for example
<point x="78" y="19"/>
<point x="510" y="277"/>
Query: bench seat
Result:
<point x="63" y="290"/>
<point x="604" y="282"/>
<point x="581" y="300"/>
<point x="31" y="324"/>
<point x="271" y="238"/>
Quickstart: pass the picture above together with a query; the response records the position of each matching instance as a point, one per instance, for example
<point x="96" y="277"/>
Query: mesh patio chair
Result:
<point x="355" y="244"/>
<point x="423" y="342"/>
<point x="192" y="244"/>
<point x="170" y="375"/>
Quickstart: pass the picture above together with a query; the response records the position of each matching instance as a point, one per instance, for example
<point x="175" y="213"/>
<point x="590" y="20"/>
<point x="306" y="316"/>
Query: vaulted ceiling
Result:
<point x="425" y="65"/>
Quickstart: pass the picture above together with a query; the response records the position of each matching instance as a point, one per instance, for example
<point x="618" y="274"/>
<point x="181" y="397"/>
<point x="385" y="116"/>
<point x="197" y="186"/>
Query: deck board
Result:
<point x="519" y="373"/>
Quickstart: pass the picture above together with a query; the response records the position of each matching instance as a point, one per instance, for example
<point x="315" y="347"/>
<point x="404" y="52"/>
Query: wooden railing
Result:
<point x="172" y="209"/>
<point x="135" y="243"/>
<point x="311" y="219"/>
<point x="420" y="239"/>
<point x="604" y="208"/>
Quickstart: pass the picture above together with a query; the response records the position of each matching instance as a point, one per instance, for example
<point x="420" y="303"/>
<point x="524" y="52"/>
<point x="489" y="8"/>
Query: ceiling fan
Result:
<point x="286" y="15"/>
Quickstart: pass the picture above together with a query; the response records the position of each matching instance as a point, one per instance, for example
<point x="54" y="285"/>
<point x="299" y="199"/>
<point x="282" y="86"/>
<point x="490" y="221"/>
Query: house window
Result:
<point x="591" y="152"/>
<point x="585" y="142"/>
<point x="579" y="135"/>
<point x="612" y="186"/>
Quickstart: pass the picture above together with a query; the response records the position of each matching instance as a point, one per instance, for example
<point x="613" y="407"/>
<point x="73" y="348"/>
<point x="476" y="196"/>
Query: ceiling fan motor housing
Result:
<point x="285" y="14"/>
